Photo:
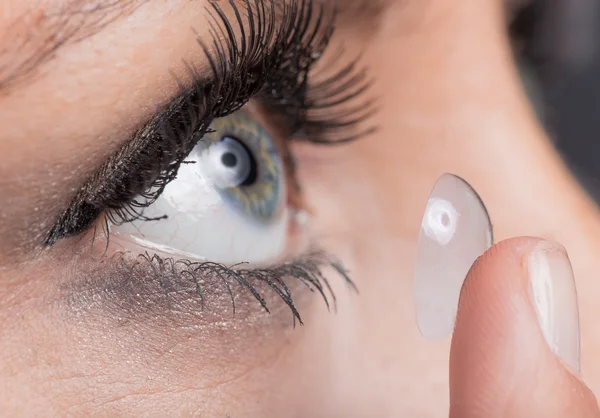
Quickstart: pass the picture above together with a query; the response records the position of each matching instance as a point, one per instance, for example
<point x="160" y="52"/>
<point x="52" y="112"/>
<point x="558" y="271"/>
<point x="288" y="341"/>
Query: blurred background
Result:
<point x="557" y="46"/>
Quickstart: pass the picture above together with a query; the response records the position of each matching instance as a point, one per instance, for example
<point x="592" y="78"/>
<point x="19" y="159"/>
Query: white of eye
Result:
<point x="201" y="224"/>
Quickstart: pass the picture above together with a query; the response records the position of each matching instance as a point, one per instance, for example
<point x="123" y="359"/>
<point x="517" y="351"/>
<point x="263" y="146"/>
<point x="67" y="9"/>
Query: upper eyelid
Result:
<point x="124" y="160"/>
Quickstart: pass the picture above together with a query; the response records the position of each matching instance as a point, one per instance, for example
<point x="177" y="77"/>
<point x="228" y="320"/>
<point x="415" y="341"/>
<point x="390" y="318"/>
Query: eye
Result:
<point x="228" y="203"/>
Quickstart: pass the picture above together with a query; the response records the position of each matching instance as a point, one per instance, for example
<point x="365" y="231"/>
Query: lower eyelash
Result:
<point x="200" y="280"/>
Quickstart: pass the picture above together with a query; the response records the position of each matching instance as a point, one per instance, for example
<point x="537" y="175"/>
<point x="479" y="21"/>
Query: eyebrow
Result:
<point x="34" y="37"/>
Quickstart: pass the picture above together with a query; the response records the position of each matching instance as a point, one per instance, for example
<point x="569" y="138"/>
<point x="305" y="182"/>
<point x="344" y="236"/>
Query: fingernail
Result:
<point x="455" y="230"/>
<point x="554" y="296"/>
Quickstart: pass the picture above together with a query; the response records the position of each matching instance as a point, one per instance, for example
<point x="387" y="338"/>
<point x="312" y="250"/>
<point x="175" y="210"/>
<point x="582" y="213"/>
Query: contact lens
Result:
<point x="455" y="230"/>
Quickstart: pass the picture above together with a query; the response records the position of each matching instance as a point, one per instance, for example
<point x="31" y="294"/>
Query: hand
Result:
<point x="515" y="347"/>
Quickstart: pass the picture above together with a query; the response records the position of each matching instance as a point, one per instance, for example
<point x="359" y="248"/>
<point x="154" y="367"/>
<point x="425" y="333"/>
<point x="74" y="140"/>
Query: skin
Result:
<point x="450" y="101"/>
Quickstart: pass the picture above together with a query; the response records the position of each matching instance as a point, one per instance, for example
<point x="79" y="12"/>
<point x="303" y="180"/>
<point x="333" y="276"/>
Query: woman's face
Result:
<point x="118" y="278"/>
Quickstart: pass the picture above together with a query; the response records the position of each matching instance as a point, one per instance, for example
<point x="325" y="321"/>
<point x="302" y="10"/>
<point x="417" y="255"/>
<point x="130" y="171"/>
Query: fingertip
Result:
<point x="496" y="273"/>
<point x="487" y="332"/>
<point x="501" y="358"/>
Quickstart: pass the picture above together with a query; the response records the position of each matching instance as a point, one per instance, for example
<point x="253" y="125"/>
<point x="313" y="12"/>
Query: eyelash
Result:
<point x="271" y="62"/>
<point x="187" y="278"/>
<point x="273" y="69"/>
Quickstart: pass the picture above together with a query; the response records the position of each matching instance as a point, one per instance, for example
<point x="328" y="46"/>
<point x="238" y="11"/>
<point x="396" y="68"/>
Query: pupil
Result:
<point x="229" y="160"/>
<point x="238" y="157"/>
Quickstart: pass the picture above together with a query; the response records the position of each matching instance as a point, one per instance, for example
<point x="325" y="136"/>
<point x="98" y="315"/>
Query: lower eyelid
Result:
<point x="145" y="287"/>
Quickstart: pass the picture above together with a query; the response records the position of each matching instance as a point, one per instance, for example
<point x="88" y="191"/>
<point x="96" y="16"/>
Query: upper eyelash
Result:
<point x="272" y="64"/>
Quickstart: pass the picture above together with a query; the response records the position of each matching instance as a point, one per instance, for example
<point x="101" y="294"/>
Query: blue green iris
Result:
<point x="246" y="155"/>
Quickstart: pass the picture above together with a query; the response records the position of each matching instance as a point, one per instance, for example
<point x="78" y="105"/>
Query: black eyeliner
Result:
<point x="271" y="62"/>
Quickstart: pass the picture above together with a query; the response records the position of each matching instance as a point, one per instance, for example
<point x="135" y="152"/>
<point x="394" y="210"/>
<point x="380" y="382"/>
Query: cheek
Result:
<point x="92" y="359"/>
<point x="367" y="212"/>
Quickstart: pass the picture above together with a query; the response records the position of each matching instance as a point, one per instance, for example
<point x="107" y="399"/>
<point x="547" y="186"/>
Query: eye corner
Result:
<point x="78" y="218"/>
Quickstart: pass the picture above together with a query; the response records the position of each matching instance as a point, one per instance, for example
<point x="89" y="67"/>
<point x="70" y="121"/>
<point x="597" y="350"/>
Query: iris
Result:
<point x="239" y="156"/>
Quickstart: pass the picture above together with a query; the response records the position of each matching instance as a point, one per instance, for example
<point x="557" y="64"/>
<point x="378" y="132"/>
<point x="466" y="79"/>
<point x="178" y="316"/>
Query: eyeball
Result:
<point x="227" y="204"/>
